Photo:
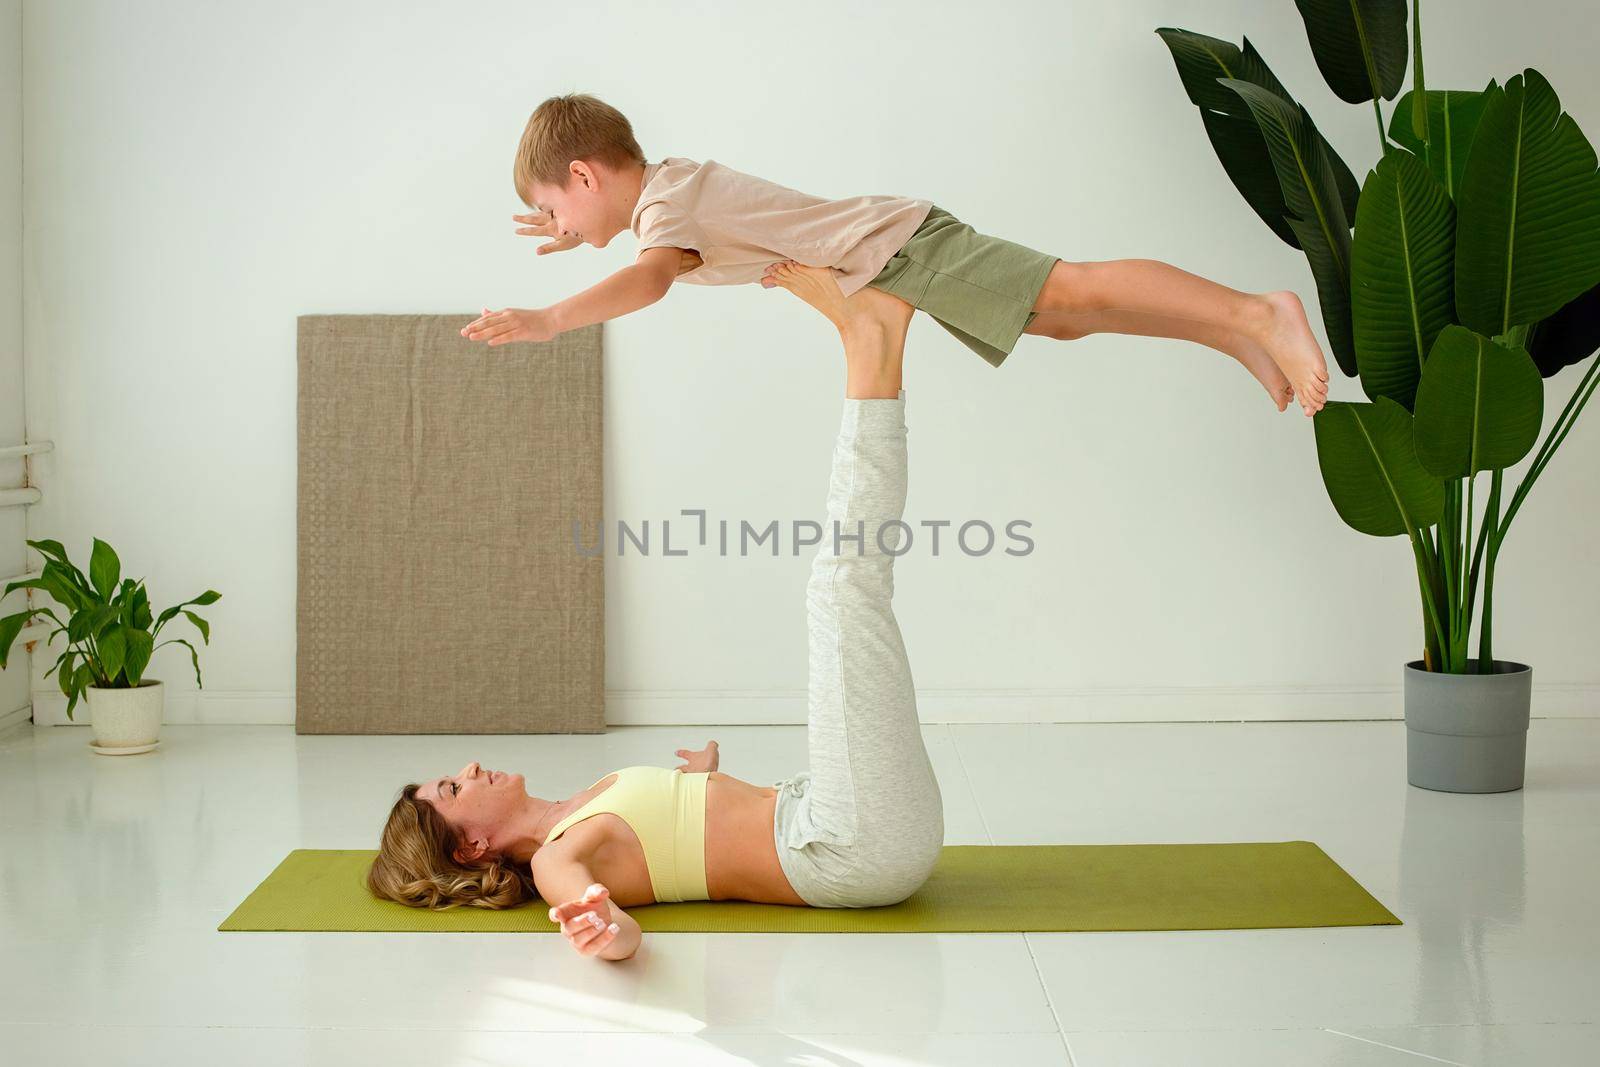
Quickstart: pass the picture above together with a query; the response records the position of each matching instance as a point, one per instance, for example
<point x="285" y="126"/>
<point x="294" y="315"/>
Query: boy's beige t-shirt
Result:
<point x="740" y="224"/>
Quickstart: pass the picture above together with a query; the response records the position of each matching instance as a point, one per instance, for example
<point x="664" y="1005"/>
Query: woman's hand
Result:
<point x="540" y="224"/>
<point x="511" y="324"/>
<point x="586" y="922"/>
<point x="703" y="760"/>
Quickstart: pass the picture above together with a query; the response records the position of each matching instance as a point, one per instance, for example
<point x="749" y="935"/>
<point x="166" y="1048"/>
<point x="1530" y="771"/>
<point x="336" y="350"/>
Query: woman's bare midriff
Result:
<point x="741" y="854"/>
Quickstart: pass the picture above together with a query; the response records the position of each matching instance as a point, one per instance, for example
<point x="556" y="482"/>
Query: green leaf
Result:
<point x="194" y="656"/>
<point x="105" y="569"/>
<point x="1359" y="45"/>
<point x="1233" y="132"/>
<point x="10" y="627"/>
<point x="1419" y="110"/>
<point x="53" y="618"/>
<point x="25" y="583"/>
<point x="140" y="647"/>
<point x="1528" y="218"/>
<point x="201" y="625"/>
<point x="7" y="639"/>
<point x="125" y="601"/>
<point x="82" y="677"/>
<point x="86" y="591"/>
<point x="65" y="658"/>
<point x="1369" y="467"/>
<point x="1453" y="116"/>
<point x="90" y="621"/>
<point x="67" y="676"/>
<point x="1239" y="145"/>
<point x="139" y="610"/>
<point x="1479" y="406"/>
<point x="1316" y="213"/>
<point x="1401" y="293"/>
<point x="113" y="651"/>
<point x="58" y="579"/>
<point x="105" y="616"/>
<point x="210" y="596"/>
<point x="1569" y="336"/>
<point x="51" y="550"/>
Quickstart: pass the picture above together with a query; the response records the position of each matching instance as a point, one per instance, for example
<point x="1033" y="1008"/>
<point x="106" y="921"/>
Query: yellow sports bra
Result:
<point x="667" y="810"/>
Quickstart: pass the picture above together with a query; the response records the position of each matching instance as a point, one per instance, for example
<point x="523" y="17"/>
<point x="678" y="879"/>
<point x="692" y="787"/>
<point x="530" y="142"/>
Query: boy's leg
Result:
<point x="1069" y="326"/>
<point x="1276" y="320"/>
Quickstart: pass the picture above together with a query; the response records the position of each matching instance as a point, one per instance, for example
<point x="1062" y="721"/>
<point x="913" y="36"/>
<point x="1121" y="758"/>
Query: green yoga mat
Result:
<point x="1236" y="886"/>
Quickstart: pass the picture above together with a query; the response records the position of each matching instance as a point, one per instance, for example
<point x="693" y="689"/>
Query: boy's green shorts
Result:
<point x="980" y="288"/>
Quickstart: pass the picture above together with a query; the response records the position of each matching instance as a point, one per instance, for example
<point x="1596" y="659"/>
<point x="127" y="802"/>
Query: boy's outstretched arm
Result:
<point x="637" y="285"/>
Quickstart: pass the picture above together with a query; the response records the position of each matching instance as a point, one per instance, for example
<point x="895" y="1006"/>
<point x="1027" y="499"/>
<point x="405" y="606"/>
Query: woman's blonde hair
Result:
<point x="565" y="128"/>
<point x="415" y="864"/>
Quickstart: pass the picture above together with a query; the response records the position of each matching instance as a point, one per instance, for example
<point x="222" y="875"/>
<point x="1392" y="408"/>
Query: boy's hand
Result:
<point x="703" y="760"/>
<point x="586" y="922"/>
<point x="540" y="224"/>
<point x="510" y="324"/>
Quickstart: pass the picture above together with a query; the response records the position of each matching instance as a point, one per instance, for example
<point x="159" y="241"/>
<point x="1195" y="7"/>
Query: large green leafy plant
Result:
<point x="109" y="637"/>
<point x="1472" y="275"/>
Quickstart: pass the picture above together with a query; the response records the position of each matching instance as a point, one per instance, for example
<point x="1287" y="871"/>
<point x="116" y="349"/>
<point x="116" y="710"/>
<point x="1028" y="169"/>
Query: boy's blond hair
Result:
<point x="565" y="128"/>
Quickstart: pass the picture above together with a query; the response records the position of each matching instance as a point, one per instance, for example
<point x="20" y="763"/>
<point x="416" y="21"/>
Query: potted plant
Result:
<point x="109" y="644"/>
<point x="1472" y="275"/>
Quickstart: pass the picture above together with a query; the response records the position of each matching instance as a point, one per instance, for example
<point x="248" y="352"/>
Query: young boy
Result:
<point x="874" y="260"/>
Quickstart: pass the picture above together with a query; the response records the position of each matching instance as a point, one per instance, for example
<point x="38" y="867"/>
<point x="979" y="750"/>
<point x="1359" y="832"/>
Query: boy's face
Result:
<point x="583" y="207"/>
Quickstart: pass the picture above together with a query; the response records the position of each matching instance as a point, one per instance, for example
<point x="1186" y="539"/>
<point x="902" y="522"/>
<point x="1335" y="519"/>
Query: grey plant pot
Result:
<point x="1467" y="733"/>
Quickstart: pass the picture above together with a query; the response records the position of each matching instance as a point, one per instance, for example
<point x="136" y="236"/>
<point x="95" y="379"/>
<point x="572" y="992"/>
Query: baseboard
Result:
<point x="767" y="707"/>
<point x="1103" y="705"/>
<point x="20" y="717"/>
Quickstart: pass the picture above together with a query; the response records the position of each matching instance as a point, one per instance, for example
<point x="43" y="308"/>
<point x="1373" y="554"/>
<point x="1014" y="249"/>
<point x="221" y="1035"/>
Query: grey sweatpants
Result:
<point x="864" y="825"/>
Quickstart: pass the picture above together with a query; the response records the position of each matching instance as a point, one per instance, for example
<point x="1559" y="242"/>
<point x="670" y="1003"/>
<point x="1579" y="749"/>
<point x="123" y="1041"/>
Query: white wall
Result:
<point x="200" y="173"/>
<point x="14" y="553"/>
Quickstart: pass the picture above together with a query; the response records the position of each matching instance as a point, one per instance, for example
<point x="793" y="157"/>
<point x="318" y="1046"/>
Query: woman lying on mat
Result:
<point x="862" y="828"/>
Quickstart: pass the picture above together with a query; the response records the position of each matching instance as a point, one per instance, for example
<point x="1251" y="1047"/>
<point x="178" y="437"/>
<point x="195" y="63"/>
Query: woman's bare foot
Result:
<point x="871" y="323"/>
<point x="819" y="287"/>
<point x="1287" y="338"/>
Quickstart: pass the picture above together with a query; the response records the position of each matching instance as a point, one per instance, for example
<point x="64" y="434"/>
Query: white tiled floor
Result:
<point x="115" y="872"/>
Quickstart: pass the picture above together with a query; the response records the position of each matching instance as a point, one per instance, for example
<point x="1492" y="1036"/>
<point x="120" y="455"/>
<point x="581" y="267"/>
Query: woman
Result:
<point x="862" y="827"/>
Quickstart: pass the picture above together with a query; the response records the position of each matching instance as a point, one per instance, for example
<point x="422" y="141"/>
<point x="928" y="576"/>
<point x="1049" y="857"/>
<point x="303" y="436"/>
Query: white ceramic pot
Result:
<point x="126" y="718"/>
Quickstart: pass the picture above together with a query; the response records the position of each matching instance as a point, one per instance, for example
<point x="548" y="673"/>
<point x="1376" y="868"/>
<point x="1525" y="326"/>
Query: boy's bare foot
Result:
<point x="1288" y="340"/>
<point x="1258" y="362"/>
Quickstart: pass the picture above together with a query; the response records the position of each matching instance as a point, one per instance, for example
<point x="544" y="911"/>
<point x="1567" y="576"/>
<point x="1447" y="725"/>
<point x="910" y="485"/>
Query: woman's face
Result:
<point x="475" y="801"/>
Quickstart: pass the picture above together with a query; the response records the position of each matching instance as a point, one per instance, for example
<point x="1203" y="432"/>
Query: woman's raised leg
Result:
<point x="872" y="793"/>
